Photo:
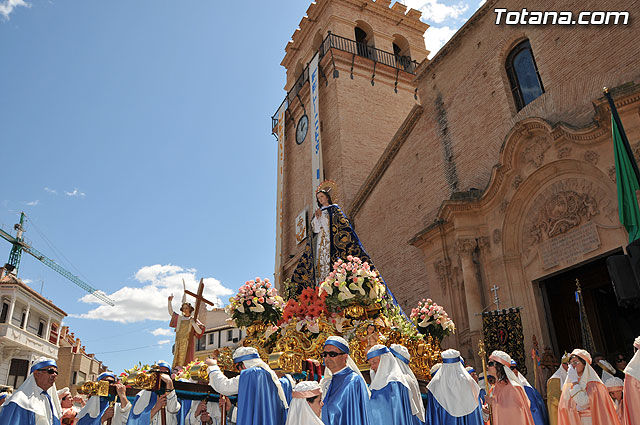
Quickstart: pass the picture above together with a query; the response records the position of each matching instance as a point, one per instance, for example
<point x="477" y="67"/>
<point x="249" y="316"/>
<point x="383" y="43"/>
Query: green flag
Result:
<point x="627" y="183"/>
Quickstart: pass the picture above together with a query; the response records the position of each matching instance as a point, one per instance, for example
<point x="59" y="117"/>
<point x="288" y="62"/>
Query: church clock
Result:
<point x="302" y="128"/>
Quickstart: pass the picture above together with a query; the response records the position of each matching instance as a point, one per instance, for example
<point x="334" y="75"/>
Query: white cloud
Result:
<point x="26" y="281"/>
<point x="75" y="192"/>
<point x="435" y="38"/>
<point x="164" y="341"/>
<point x="432" y="11"/>
<point x="161" y="331"/>
<point x="149" y="300"/>
<point x="33" y="203"/>
<point x="53" y="191"/>
<point x="482" y="2"/>
<point x="7" y="6"/>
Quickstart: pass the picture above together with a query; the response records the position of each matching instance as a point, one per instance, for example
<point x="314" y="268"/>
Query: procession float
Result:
<point x="335" y="289"/>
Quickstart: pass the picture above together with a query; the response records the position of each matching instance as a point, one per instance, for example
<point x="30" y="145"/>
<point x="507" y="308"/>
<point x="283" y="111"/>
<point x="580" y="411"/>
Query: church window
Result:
<point x="41" y="326"/>
<point x="230" y="335"/>
<point x="212" y="337"/>
<point x="401" y="53"/>
<point x="525" y="81"/>
<point x="363" y="41"/>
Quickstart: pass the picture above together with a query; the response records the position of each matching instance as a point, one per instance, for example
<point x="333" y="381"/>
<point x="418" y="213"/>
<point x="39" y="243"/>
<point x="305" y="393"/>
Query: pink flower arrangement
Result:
<point x="430" y="318"/>
<point x="256" y="300"/>
<point x="351" y="282"/>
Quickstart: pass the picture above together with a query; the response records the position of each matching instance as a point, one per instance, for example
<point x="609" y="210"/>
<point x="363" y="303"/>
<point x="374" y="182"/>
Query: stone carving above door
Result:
<point x="561" y="207"/>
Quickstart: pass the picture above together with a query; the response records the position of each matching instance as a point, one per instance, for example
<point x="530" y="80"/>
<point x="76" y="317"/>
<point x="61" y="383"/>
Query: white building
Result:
<point x="218" y="333"/>
<point x="29" y="328"/>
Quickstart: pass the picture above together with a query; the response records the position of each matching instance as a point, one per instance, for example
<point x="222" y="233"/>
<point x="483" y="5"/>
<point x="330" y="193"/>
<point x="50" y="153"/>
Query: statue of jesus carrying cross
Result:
<point x="187" y="326"/>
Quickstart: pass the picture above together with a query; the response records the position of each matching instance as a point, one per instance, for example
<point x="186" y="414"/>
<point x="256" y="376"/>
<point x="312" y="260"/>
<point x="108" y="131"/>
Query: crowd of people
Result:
<point x="577" y="394"/>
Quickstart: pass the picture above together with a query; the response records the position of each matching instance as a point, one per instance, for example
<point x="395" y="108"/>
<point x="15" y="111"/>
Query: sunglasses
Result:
<point x="66" y="397"/>
<point x="330" y="354"/>
<point x="491" y="363"/>
<point x="50" y="371"/>
<point x="619" y="360"/>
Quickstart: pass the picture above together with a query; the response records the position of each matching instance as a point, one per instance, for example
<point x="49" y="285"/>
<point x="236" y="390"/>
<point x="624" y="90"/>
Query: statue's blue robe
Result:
<point x="347" y="400"/>
<point x="12" y="414"/>
<point x="435" y="414"/>
<point x="538" y="407"/>
<point x="144" y="418"/>
<point x="258" y="400"/>
<point x="88" y="420"/>
<point x="391" y="405"/>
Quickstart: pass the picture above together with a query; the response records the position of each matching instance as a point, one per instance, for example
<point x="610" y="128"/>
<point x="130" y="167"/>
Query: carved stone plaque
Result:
<point x="570" y="247"/>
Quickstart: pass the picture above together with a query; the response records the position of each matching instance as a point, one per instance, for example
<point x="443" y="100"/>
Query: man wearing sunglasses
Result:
<point x="346" y="395"/>
<point x="36" y="401"/>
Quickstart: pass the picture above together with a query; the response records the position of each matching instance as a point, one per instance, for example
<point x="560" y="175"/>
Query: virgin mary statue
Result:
<point x="333" y="238"/>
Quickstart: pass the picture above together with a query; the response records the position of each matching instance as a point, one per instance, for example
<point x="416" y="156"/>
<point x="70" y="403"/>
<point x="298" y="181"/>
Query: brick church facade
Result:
<point x="456" y="176"/>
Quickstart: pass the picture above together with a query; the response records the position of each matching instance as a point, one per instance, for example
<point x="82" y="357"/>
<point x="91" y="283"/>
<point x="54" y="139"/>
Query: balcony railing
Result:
<point x="332" y="41"/>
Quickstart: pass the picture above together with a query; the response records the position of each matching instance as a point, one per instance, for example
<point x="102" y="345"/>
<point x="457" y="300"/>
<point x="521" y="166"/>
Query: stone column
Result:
<point x="47" y="330"/>
<point x="12" y="308"/>
<point x="26" y="317"/>
<point x="473" y="295"/>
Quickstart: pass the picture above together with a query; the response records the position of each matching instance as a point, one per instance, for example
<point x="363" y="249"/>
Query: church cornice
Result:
<point x="385" y="160"/>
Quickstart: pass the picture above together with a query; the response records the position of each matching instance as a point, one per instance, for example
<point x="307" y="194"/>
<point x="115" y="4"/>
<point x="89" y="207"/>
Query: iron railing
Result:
<point x="332" y="41"/>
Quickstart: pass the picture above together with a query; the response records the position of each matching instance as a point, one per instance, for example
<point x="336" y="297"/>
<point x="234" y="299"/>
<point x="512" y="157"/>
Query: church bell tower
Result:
<point x="367" y="53"/>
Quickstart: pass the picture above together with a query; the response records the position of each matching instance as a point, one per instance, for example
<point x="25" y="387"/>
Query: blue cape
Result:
<point x="185" y="407"/>
<point x="144" y="418"/>
<point x="88" y="420"/>
<point x="391" y="405"/>
<point x="258" y="400"/>
<point x="12" y="414"/>
<point x="347" y="400"/>
<point x="435" y="414"/>
<point x="538" y="408"/>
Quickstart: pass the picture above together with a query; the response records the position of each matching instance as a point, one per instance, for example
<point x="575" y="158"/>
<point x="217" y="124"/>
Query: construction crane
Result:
<point x="20" y="245"/>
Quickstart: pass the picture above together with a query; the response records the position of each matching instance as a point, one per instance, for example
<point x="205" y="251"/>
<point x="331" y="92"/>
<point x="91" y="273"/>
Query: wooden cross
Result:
<point x="199" y="299"/>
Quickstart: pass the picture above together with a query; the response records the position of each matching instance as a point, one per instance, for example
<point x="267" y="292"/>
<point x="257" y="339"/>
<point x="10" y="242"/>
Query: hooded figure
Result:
<point x="403" y="358"/>
<point x="508" y="400"/>
<point x="92" y="413"/>
<point x="615" y="386"/>
<point x="261" y="398"/>
<point x="536" y="402"/>
<point x="36" y="401"/>
<point x="306" y="404"/>
<point x="390" y="391"/>
<point x="631" y="411"/>
<point x="585" y="400"/>
<point x="454" y="396"/>
<point x="346" y="395"/>
<point x="554" y="389"/>
<point x="147" y="406"/>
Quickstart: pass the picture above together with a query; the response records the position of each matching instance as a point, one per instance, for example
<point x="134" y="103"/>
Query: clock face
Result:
<point x="302" y="128"/>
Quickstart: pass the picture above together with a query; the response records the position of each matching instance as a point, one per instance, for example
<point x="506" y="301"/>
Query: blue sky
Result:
<point x="136" y="137"/>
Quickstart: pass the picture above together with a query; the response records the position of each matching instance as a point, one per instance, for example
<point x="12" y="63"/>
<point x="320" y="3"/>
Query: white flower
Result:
<point x="341" y="277"/>
<point x="261" y="292"/>
<point x="257" y="309"/>
<point x="240" y="308"/>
